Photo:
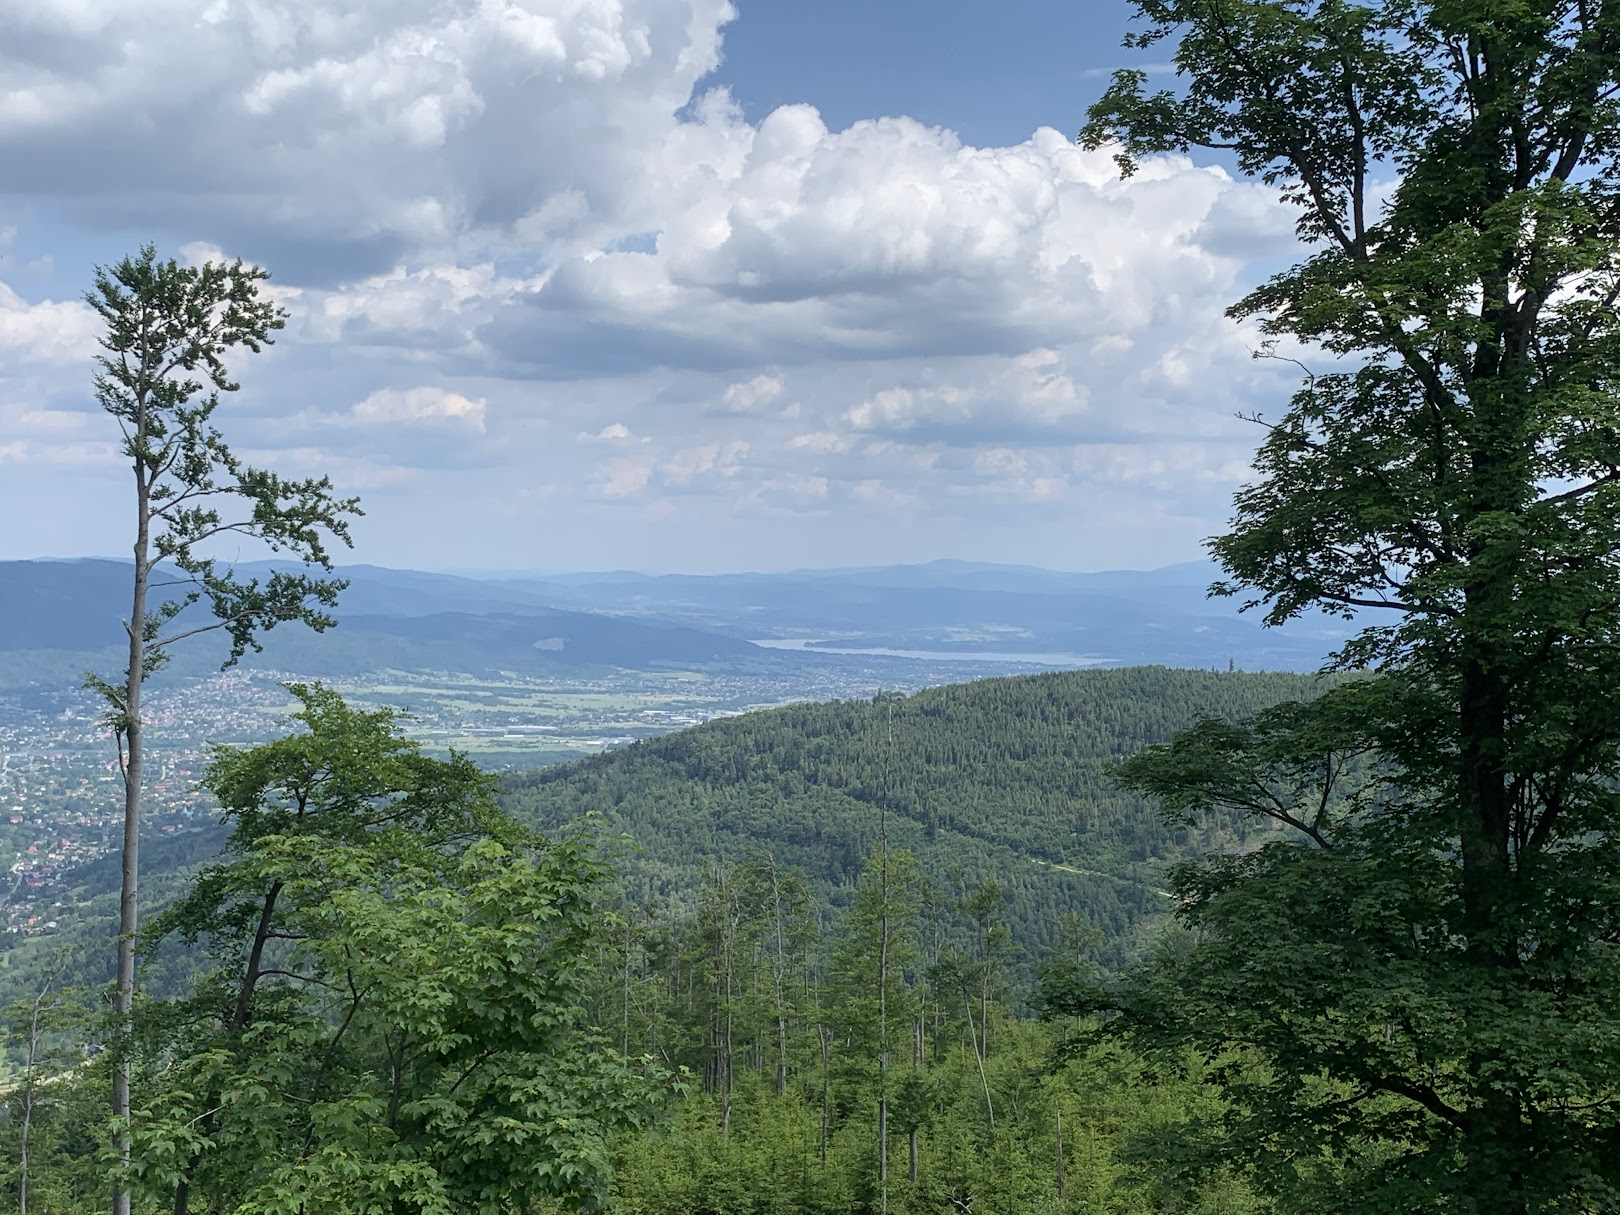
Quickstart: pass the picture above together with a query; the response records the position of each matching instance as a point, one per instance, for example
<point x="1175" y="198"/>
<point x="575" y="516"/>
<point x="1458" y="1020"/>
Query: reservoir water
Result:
<point x="812" y="645"/>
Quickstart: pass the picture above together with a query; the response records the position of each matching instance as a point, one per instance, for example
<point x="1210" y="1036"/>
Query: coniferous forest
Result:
<point x="1007" y="779"/>
<point x="350" y="1003"/>
<point x="1127" y="940"/>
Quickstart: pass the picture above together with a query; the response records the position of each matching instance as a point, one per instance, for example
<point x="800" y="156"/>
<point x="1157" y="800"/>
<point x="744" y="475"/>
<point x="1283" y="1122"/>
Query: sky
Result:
<point x="675" y="285"/>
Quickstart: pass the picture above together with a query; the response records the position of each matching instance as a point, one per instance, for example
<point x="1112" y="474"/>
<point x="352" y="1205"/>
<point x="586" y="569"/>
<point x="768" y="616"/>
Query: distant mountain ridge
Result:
<point x="70" y="614"/>
<point x="1117" y="617"/>
<point x="56" y="610"/>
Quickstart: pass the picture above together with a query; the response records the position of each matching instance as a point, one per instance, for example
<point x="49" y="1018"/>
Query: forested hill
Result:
<point x="1003" y="778"/>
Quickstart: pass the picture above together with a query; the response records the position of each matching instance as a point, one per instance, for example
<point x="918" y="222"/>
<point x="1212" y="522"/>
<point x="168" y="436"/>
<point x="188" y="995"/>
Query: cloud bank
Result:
<point x="555" y="302"/>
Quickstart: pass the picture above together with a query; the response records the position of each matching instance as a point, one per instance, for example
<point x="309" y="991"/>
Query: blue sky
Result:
<point x="991" y="72"/>
<point x="643" y="283"/>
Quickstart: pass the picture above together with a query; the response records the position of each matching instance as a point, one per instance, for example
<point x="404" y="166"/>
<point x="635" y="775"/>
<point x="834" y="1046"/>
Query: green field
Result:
<point x="527" y="722"/>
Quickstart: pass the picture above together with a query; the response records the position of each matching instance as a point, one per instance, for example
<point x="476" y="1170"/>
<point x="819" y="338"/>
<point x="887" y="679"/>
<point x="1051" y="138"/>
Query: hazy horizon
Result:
<point x="483" y="573"/>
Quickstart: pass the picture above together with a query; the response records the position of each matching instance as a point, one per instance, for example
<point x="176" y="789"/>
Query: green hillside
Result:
<point x="1003" y="778"/>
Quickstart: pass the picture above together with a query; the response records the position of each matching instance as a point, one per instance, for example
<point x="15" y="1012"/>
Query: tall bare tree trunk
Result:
<point x="132" y="754"/>
<point x="824" y="1036"/>
<point x="883" y="1148"/>
<point x="978" y="1057"/>
<point x="624" y="1040"/>
<point x="30" y="1088"/>
<point x="27" y="1111"/>
<point x="728" y="946"/>
<point x="883" y="1024"/>
<point x="984" y="1004"/>
<point x="1061" y="1179"/>
<point x="780" y="974"/>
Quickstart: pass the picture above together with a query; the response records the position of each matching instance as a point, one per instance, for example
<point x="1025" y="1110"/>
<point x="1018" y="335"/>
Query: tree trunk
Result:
<point x="883" y="1147"/>
<point x="128" y="914"/>
<point x="826" y="1104"/>
<point x="30" y="1089"/>
<point x="725" y="1115"/>
<point x="250" y="976"/>
<point x="984" y="1079"/>
<point x="883" y="1016"/>
<point x="1061" y="1180"/>
<point x="239" y="1023"/>
<point x="781" y="1056"/>
<point x="984" y="1007"/>
<point x="1496" y="1139"/>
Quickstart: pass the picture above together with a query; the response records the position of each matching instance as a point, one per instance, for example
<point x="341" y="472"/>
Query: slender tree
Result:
<point x="982" y="974"/>
<point x="31" y="1025"/>
<point x="875" y="971"/>
<point x="168" y="330"/>
<point x="1427" y="964"/>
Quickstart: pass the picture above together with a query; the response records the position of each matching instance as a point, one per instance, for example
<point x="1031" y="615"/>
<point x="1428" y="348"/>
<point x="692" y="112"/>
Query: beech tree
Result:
<point x="168" y="330"/>
<point x="1425" y="959"/>
<point x="398" y="1013"/>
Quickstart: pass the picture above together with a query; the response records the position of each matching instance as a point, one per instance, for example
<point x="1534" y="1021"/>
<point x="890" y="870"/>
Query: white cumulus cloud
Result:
<point x="50" y="331"/>
<point x="425" y="404"/>
<point x="498" y="223"/>
<point x="751" y="394"/>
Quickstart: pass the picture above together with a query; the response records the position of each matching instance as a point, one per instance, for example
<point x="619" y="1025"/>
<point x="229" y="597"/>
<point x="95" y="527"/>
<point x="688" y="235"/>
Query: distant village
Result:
<point x="60" y="794"/>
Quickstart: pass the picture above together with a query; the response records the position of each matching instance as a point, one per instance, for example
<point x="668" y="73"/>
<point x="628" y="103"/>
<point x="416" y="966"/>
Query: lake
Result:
<point x="814" y="646"/>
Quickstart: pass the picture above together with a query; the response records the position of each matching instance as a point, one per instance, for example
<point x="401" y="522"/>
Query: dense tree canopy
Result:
<point x="1433" y="960"/>
<point x="1002" y="778"/>
<point x="397" y="1017"/>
